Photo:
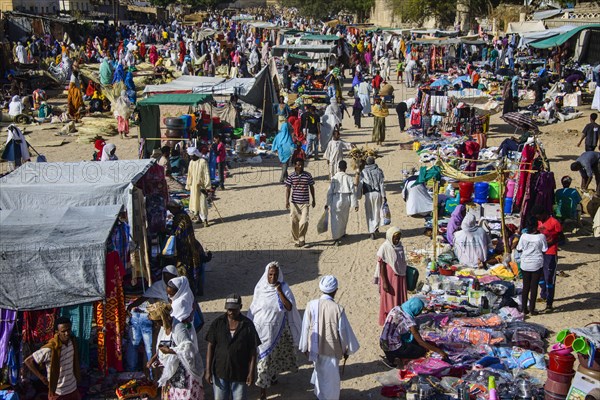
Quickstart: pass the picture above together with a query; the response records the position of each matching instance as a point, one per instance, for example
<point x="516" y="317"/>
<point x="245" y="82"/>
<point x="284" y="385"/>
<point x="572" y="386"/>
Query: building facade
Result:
<point x="46" y="7"/>
<point x="71" y="6"/>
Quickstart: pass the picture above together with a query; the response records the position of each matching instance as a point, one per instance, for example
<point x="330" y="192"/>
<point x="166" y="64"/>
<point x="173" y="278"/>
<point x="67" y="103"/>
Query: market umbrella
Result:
<point x="440" y="83"/>
<point x="462" y="81"/>
<point x="520" y="121"/>
<point x="505" y="72"/>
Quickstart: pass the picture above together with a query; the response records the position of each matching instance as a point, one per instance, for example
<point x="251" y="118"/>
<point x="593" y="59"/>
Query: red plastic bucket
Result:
<point x="466" y="191"/>
<point x="553" y="396"/>
<point x="559" y="363"/>
<point x="560" y="377"/>
<point x="557" y="388"/>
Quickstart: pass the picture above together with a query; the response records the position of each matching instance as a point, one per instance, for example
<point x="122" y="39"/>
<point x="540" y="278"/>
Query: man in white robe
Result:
<point x="364" y="94"/>
<point x="198" y="183"/>
<point x="21" y="53"/>
<point x="340" y="197"/>
<point x="371" y="186"/>
<point x="335" y="152"/>
<point x="323" y="345"/>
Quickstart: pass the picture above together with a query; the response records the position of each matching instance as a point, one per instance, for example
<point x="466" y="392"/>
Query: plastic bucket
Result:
<point x="560" y="364"/>
<point x="481" y="192"/>
<point x="595" y="374"/>
<point x="510" y="188"/>
<point x="560" y="377"/>
<point x="559" y="388"/>
<point x="466" y="191"/>
<point x="508" y="203"/>
<point x="584" y="360"/>
<point x="494" y="194"/>
<point x="553" y="396"/>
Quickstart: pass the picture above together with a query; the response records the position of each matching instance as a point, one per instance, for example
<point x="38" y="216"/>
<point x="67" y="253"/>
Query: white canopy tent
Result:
<point x="183" y="84"/>
<point x="525" y="26"/>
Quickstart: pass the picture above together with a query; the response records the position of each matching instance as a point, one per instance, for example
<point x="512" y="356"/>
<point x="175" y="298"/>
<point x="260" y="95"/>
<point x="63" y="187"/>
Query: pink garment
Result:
<point x="221" y="153"/>
<point x="399" y="294"/>
<point x="122" y="125"/>
<point x="526" y="161"/>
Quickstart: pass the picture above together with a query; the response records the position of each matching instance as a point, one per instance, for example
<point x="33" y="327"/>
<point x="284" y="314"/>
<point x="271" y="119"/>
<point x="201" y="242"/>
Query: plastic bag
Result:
<point x="170" y="248"/>
<point x="323" y="224"/>
<point x="386" y="215"/>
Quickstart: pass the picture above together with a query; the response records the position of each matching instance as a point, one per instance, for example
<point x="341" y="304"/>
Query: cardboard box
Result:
<point x="582" y="384"/>
<point x="491" y="210"/>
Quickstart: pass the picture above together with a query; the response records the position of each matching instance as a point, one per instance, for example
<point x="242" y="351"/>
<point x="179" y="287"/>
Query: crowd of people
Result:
<point x="254" y="349"/>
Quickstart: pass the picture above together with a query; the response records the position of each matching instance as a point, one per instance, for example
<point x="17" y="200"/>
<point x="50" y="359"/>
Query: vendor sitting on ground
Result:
<point x="566" y="200"/>
<point x="400" y="339"/>
<point x="548" y="110"/>
<point x="471" y="243"/>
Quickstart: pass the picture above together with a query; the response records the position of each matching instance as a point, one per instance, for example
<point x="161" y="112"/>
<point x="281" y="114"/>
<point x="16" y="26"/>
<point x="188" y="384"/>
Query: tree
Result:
<point x="320" y="9"/>
<point x="443" y="12"/>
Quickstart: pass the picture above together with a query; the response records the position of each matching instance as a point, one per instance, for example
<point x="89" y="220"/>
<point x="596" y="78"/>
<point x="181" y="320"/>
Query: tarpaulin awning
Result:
<point x="183" y="84"/>
<point x="279" y="50"/>
<point x="262" y="25"/>
<point x="322" y="38"/>
<point x="71" y="184"/>
<point x="542" y="15"/>
<point x="238" y="86"/>
<point x="55" y="256"/>
<point x="563" y="37"/>
<point x="529" y="37"/>
<point x="525" y="26"/>
<point x="192" y="99"/>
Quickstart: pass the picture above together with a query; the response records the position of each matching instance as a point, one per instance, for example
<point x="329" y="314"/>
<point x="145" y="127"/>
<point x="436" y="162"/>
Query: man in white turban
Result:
<point x="324" y="347"/>
<point x="198" y="183"/>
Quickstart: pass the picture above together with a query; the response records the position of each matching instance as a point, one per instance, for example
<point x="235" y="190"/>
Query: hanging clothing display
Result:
<point x="8" y="318"/>
<point x="438" y="104"/>
<point x="81" y="326"/>
<point x="120" y="241"/>
<point x="154" y="186"/>
<point x="38" y="326"/>
<point x="415" y="117"/>
<point x="110" y="317"/>
<point x="522" y="179"/>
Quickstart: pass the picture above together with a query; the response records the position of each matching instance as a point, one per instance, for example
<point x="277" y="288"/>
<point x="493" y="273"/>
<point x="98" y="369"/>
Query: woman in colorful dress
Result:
<point x="391" y="273"/>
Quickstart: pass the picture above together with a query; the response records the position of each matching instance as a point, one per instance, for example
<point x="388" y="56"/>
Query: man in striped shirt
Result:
<point x="61" y="361"/>
<point x="299" y="184"/>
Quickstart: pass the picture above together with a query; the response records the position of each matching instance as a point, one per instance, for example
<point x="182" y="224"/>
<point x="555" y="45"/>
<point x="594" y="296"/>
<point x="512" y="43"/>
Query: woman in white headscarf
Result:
<point x="390" y="273"/>
<point x="122" y="113"/>
<point x="331" y="119"/>
<point x="16" y="151"/>
<point x="471" y="243"/>
<point x="177" y="352"/>
<point x="108" y="152"/>
<point x="277" y="321"/>
<point x="15" y="107"/>
<point x="181" y="297"/>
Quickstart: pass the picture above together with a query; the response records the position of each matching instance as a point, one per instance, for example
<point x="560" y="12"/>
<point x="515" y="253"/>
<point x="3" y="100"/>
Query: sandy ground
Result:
<point x="255" y="230"/>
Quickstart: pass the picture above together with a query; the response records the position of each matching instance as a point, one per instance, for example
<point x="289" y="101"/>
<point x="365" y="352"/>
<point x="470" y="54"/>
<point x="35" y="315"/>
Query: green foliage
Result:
<point x="442" y="11"/>
<point x="320" y="9"/>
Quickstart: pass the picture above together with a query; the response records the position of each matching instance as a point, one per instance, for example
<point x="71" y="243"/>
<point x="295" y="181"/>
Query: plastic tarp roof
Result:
<point x="183" y="84"/>
<point x="76" y="184"/>
<point x="191" y="99"/>
<point x="563" y="37"/>
<point x="542" y="15"/>
<point x="279" y="50"/>
<point x="54" y="257"/>
<point x="262" y="25"/>
<point x="528" y="37"/>
<point x="228" y="87"/>
<point x="525" y="26"/>
<point x="322" y="38"/>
